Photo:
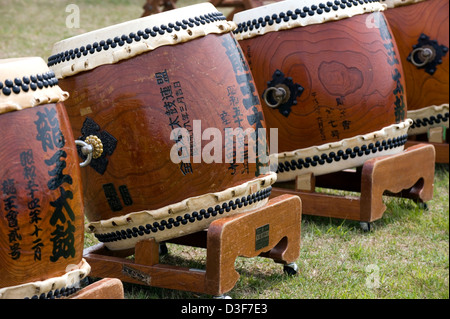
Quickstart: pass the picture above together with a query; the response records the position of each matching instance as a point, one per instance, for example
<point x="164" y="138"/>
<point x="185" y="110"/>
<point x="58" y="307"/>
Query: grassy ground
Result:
<point x="406" y="256"/>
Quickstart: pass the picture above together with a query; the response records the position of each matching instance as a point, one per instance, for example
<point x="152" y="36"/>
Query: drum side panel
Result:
<point x="41" y="209"/>
<point x="353" y="83"/>
<point x="202" y="86"/>
<point x="408" y="23"/>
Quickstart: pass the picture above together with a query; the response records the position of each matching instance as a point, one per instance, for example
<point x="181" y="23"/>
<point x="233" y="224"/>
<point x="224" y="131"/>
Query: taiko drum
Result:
<point x="422" y="35"/>
<point x="154" y="96"/>
<point x="330" y="79"/>
<point x="41" y="214"/>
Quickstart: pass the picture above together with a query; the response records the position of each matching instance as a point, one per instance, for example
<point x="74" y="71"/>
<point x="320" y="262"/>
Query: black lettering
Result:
<point x="112" y="198"/>
<point x="126" y="197"/>
<point x="59" y="178"/>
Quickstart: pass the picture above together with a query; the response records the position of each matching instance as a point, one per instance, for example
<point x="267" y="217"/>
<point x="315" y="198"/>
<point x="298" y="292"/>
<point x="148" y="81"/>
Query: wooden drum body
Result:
<point x="422" y="35"/>
<point x="331" y="81"/>
<point x="142" y="82"/>
<point x="41" y="214"/>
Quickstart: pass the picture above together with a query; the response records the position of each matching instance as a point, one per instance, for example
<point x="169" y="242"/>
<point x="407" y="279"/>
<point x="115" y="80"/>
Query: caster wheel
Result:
<point x="222" y="297"/>
<point x="290" y="269"/>
<point x="366" y="226"/>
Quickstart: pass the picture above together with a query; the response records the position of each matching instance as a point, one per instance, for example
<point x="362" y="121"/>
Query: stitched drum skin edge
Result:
<point x="81" y="62"/>
<point x="430" y="116"/>
<point x="23" y="96"/>
<point x="71" y="278"/>
<point x="268" y="10"/>
<point x="187" y="206"/>
<point x="387" y="133"/>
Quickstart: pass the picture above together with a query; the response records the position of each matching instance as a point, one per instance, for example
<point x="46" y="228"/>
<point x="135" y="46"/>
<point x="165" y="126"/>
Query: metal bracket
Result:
<point x="282" y="93"/>
<point x="102" y="144"/>
<point x="427" y="54"/>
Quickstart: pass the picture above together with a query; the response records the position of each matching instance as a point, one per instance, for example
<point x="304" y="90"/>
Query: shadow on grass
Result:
<point x="256" y="274"/>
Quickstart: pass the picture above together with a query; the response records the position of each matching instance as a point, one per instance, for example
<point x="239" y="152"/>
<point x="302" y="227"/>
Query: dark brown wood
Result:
<point x="41" y="214"/>
<point x="411" y="170"/>
<point x="346" y="71"/>
<point x="126" y="101"/>
<point x="408" y="23"/>
<point x="351" y="177"/>
<point x="318" y="204"/>
<point x="197" y="239"/>
<point x="146" y="254"/>
<point x="227" y="238"/>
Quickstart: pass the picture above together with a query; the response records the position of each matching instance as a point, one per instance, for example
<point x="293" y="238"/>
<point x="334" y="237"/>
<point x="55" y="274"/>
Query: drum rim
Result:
<point x="294" y="16"/>
<point x="28" y="82"/>
<point x="134" y="222"/>
<point x="427" y="117"/>
<point x="50" y="287"/>
<point x="72" y="55"/>
<point x="337" y="156"/>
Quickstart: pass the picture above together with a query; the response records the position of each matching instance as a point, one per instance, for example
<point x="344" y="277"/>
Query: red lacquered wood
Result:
<point x="351" y="73"/>
<point x="408" y="23"/>
<point x="209" y="82"/>
<point x="41" y="233"/>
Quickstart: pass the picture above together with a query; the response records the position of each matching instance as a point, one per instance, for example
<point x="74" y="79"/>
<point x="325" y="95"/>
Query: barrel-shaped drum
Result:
<point x="41" y="214"/>
<point x="421" y="31"/>
<point x="155" y="97"/>
<point x="331" y="82"/>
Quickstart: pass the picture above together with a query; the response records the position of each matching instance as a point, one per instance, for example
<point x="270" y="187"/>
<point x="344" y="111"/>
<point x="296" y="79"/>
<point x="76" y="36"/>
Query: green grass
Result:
<point x="405" y="257"/>
<point x="407" y="252"/>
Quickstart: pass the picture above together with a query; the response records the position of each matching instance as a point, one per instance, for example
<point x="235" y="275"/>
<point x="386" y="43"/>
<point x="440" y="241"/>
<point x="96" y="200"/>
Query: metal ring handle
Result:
<point x="86" y="149"/>
<point x="278" y="95"/>
<point x="424" y="52"/>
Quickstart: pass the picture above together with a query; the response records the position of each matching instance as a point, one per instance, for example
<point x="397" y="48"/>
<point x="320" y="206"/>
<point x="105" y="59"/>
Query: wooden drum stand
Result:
<point x="272" y="231"/>
<point x="409" y="174"/>
<point x="436" y="136"/>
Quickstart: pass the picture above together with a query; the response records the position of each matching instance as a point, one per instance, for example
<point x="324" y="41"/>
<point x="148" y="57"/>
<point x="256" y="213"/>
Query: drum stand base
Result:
<point x="107" y="288"/>
<point x="272" y="231"/>
<point x="409" y="174"/>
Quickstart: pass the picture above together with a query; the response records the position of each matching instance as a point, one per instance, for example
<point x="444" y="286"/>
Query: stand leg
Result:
<point x="274" y="230"/>
<point x="414" y="169"/>
<point x="411" y="170"/>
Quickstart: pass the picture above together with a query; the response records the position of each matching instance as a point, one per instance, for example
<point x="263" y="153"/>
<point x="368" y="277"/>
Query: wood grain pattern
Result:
<point x="41" y="233"/>
<point x="347" y="71"/>
<point x="408" y="23"/>
<point x="126" y="100"/>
